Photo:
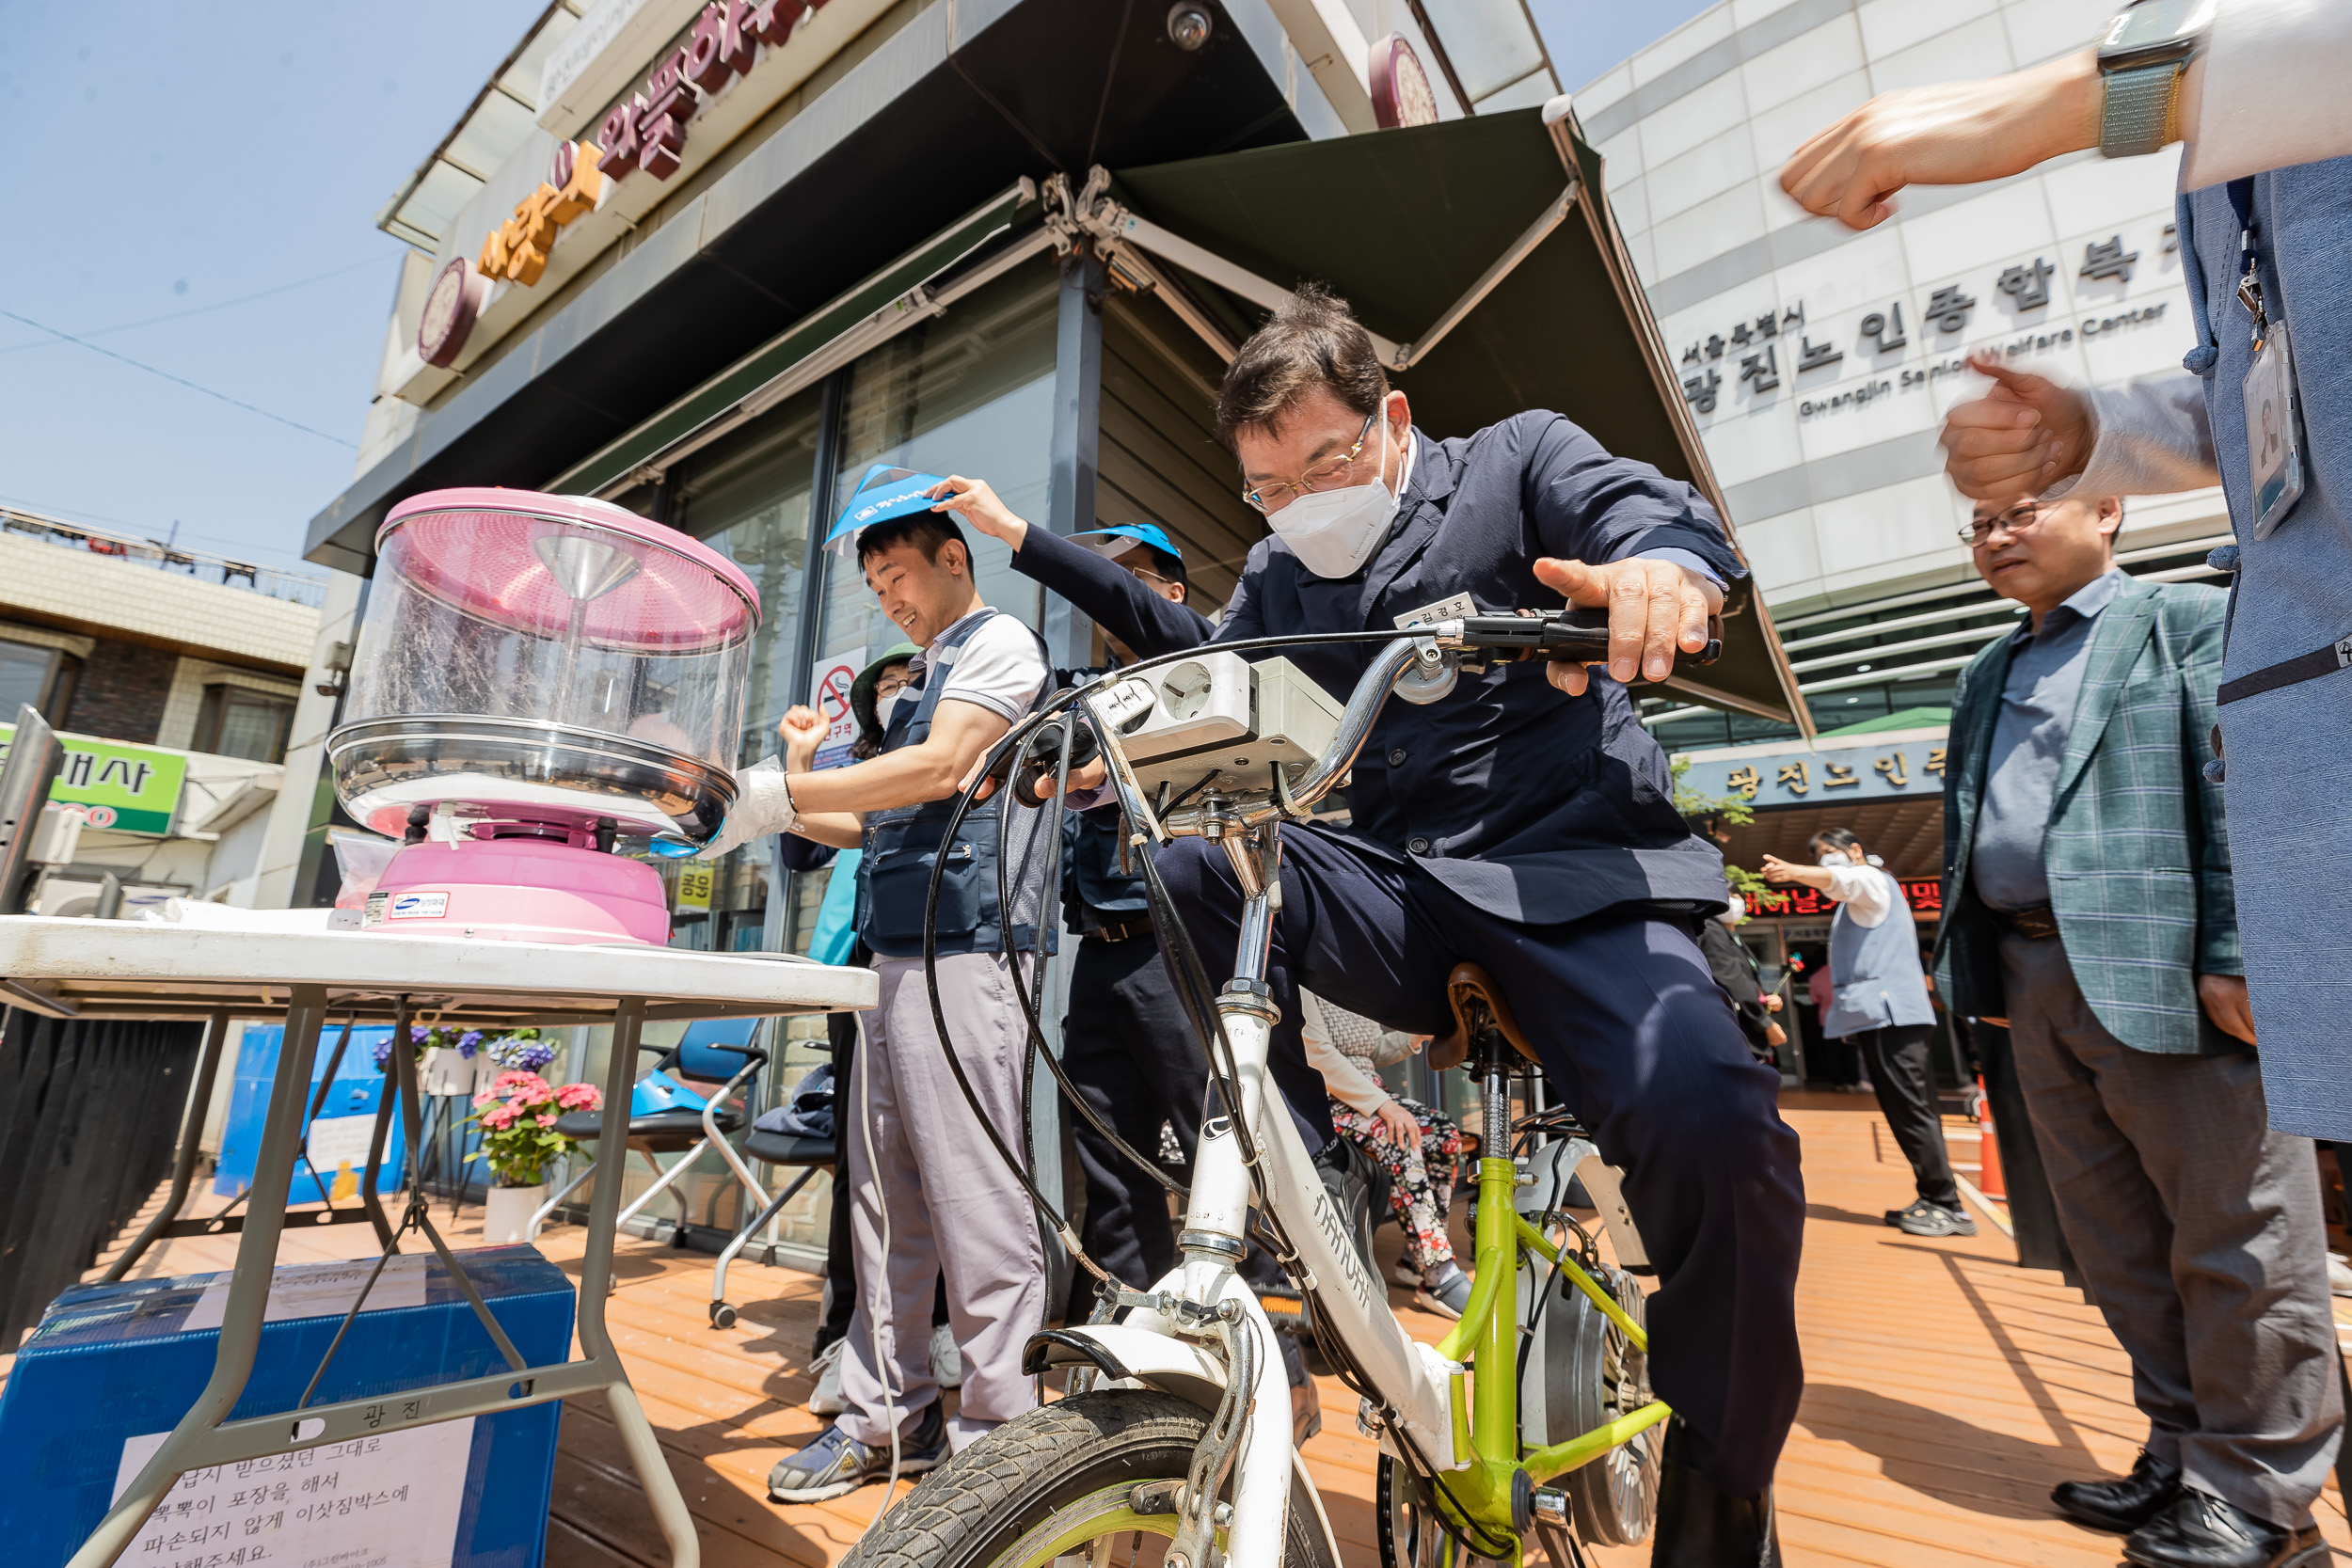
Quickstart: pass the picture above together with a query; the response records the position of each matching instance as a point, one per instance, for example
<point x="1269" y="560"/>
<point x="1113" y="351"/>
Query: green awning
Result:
<point x="1408" y="224"/>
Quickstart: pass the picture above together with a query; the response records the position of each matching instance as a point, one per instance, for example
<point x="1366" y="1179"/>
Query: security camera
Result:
<point x="1189" y="25"/>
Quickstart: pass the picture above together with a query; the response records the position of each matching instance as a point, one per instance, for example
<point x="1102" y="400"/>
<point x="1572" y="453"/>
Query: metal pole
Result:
<point x="596" y="1279"/>
<point x="35" y="756"/>
<point x="191" y="1138"/>
<point x="248" y="1286"/>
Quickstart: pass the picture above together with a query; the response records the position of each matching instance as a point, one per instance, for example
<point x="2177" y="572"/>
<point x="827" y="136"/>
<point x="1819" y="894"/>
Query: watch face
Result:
<point x="2153" y="31"/>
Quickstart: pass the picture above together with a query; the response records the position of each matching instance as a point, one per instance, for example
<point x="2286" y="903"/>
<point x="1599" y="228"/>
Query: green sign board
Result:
<point x="130" y="789"/>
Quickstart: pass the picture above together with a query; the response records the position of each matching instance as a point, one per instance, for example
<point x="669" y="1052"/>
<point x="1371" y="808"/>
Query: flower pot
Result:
<point x="444" y="1072"/>
<point x="506" y="1216"/>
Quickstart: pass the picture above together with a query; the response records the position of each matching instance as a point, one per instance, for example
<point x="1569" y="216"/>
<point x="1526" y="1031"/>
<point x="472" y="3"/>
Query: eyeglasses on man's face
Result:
<point x="2015" y="519"/>
<point x="1272" y="497"/>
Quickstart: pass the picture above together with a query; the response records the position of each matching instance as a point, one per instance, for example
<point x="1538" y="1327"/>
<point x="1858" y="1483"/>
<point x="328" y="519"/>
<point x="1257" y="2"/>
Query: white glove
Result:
<point x="763" y="805"/>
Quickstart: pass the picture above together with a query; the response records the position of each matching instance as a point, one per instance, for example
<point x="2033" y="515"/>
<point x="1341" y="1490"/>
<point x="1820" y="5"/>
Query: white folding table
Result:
<point x="93" y="968"/>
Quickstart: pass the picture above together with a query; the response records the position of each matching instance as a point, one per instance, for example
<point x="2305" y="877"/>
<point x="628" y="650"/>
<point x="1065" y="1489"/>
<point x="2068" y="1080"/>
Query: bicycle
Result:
<point x="1174" y="1432"/>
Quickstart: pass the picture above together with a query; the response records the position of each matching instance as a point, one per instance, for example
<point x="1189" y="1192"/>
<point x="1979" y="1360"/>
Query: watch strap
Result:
<point x="2137" y="113"/>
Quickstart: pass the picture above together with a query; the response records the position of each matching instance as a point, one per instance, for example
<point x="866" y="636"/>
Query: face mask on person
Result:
<point x="1831" y="859"/>
<point x="1333" y="533"/>
<point x="886" y="706"/>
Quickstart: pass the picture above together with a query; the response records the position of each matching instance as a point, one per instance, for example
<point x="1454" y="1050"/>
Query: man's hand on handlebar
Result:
<point x="1655" y="606"/>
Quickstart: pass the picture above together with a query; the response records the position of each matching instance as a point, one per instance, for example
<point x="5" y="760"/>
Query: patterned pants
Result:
<point x="1421" y="1180"/>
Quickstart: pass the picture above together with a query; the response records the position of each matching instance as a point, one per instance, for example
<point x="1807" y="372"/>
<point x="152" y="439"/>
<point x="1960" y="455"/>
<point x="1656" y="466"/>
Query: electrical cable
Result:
<point x="217" y="305"/>
<point x="181" y="380"/>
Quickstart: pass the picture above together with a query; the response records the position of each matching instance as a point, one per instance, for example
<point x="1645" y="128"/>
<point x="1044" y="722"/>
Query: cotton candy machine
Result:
<point x="540" y="681"/>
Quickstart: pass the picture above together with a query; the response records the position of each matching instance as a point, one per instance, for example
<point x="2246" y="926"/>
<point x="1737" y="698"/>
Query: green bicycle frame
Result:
<point x="1488" y="1336"/>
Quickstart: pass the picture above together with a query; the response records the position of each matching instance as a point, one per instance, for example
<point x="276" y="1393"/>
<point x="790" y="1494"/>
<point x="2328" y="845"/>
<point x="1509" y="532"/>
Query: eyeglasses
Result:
<point x="1150" y="575"/>
<point x="2017" y="519"/>
<point x="885" y="684"/>
<point x="1273" y="497"/>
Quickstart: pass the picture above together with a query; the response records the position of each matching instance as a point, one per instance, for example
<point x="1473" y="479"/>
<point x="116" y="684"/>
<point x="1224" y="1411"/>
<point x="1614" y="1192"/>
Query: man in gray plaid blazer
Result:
<point x="2089" y="910"/>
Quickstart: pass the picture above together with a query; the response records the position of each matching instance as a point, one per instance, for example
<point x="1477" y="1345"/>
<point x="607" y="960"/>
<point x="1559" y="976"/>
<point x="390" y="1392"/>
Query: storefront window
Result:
<point x="746" y="496"/>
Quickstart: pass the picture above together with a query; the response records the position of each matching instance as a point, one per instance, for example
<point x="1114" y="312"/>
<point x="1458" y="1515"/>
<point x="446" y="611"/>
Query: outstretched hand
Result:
<point x="975" y="504"/>
<point x="1655" y="606"/>
<point x="2026" y="435"/>
<point x="1952" y="134"/>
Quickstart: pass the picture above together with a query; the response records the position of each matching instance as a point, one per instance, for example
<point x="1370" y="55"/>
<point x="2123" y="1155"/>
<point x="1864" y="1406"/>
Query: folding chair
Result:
<point x="669" y="1120"/>
<point x="784" y="1150"/>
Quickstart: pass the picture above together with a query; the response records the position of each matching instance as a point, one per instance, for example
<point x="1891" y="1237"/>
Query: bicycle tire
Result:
<point x="1614" y="1498"/>
<point x="1013" y="1498"/>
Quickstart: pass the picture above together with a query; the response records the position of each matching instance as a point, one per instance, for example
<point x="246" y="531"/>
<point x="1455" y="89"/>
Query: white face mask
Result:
<point x="1832" y="858"/>
<point x="1333" y="533"/>
<point x="885" y="706"/>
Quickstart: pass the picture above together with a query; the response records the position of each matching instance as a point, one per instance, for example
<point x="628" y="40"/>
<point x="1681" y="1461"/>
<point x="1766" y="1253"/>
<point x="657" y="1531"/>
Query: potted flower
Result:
<point x="517" y="1115"/>
<point x="445" y="1057"/>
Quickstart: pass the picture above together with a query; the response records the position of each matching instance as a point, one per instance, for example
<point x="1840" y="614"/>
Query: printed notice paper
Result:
<point x="384" y="1501"/>
<point x="320" y="1291"/>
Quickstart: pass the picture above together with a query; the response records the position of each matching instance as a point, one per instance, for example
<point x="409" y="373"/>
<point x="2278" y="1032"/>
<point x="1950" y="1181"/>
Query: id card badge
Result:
<point x="2273" y="443"/>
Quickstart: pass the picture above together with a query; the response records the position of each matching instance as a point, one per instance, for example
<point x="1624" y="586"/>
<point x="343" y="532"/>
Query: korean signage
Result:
<point x="1815" y="778"/>
<point x="1759" y="352"/>
<point x="517" y="250"/>
<point x="693" y="886"/>
<point x="645" y="130"/>
<point x="1924" y="896"/>
<point x="129" y="789"/>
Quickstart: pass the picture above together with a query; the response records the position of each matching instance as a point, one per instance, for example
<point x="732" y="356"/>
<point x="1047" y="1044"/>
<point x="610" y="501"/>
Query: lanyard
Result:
<point x="2250" y="286"/>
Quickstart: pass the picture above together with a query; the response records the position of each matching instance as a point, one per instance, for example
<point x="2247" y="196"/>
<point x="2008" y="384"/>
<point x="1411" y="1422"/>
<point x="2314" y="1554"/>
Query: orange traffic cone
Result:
<point x="1987" y="1148"/>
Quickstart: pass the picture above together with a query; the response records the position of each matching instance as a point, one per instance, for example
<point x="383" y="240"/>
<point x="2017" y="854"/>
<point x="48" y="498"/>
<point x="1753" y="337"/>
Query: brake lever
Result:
<point x="1573" y="636"/>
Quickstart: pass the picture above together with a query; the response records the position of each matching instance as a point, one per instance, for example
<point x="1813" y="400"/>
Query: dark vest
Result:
<point x="904" y="844"/>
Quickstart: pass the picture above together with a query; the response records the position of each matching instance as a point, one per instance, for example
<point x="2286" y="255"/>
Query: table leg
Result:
<point x="191" y="1140"/>
<point x="596" y="1280"/>
<point x="248" y="1286"/>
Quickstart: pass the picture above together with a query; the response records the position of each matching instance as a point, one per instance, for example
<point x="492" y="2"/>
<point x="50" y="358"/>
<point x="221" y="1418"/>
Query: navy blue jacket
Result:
<point x="1536" y="805"/>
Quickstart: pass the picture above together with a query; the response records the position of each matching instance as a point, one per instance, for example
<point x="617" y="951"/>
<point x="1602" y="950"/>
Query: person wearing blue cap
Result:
<point x="1524" y="820"/>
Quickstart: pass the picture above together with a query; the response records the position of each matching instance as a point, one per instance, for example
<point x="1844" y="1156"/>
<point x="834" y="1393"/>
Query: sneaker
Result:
<point x="837" y="1464"/>
<point x="1446" y="1295"/>
<point x="1933" y="1219"/>
<point x="946" y="1360"/>
<point x="826" y="1399"/>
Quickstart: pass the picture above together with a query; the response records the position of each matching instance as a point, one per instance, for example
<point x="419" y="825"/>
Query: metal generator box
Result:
<point x="112" y="1368"/>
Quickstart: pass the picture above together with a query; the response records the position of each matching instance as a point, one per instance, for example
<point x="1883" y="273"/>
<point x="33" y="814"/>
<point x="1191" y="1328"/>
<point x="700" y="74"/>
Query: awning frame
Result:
<point x="916" y="287"/>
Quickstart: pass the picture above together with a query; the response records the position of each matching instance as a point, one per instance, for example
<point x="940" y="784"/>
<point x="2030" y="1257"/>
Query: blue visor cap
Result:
<point x="1115" y="542"/>
<point x="883" y="493"/>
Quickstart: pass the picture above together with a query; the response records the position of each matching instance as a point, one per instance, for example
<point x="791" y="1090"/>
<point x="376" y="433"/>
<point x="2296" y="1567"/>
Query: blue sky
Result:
<point x="172" y="162"/>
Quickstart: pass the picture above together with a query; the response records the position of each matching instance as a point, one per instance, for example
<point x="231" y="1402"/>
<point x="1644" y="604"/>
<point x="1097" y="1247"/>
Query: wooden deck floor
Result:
<point x="1947" y="1392"/>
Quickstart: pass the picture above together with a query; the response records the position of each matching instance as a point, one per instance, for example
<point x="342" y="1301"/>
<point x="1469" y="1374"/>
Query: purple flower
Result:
<point x="468" y="1042"/>
<point x="417" y="1034"/>
<point x="383" y="1053"/>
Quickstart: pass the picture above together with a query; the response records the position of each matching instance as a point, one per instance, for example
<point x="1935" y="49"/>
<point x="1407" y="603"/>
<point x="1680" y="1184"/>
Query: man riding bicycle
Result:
<point x="1524" y="822"/>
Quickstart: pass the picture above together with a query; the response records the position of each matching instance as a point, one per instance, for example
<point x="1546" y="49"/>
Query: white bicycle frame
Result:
<point x="1161" y="1349"/>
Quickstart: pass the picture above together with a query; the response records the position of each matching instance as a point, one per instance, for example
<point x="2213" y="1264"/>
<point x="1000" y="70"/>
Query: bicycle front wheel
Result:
<point x="1058" y="1485"/>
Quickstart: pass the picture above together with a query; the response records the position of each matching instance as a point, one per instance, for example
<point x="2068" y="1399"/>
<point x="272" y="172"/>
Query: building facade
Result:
<point x="175" y="679"/>
<point x="1818" y="362"/>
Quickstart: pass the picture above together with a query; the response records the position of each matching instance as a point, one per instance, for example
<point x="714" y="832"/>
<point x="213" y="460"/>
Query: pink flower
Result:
<point x="500" y="1119"/>
<point x="579" y="1097"/>
<point x="482" y="1099"/>
<point x="545" y="1119"/>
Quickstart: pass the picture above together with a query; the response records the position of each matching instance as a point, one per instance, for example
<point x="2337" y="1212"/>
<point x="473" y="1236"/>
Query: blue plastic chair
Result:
<point x="665" y="1117"/>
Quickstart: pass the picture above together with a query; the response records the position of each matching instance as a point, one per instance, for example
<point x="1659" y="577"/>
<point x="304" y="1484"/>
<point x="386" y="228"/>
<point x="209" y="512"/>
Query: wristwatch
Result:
<point x="2142" y="57"/>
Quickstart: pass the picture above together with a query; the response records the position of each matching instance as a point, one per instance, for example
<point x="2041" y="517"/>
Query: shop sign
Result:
<point x="1925" y="898"/>
<point x="1772" y="343"/>
<point x="1812" y="778"/>
<point x="647" y="129"/>
<point x="517" y="250"/>
<point x="129" y="789"/>
<point x="693" y="887"/>
<point x="1401" y="94"/>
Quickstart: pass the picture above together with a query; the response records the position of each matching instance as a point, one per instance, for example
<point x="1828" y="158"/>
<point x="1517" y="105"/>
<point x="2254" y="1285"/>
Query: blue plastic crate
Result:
<point x="113" y="1362"/>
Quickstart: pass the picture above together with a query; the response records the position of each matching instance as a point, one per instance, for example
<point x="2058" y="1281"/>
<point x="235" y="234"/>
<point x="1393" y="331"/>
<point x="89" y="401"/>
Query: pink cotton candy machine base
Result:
<point x="520" y="889"/>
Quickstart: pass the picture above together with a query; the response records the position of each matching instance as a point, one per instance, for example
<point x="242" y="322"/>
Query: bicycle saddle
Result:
<point x="1478" y="1008"/>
